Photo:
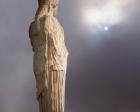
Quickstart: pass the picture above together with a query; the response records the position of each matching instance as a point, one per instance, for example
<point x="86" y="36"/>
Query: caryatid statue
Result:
<point x="50" y="57"/>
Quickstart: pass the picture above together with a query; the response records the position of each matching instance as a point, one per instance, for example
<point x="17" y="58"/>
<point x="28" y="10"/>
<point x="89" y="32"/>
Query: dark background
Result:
<point x="103" y="68"/>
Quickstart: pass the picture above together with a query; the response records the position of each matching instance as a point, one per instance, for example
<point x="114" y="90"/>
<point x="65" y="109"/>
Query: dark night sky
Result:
<point x="103" y="66"/>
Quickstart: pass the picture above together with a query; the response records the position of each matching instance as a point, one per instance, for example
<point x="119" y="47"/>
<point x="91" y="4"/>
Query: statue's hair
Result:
<point x="43" y="2"/>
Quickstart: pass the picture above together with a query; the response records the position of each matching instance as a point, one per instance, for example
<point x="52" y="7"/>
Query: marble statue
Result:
<point x="50" y="57"/>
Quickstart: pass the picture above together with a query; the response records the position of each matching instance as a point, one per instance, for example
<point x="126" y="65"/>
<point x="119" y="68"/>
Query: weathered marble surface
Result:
<point x="50" y="57"/>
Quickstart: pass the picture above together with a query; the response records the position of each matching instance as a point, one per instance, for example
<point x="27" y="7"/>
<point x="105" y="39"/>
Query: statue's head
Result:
<point x="52" y="5"/>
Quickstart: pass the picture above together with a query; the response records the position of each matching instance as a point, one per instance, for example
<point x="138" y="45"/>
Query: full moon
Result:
<point x="106" y="28"/>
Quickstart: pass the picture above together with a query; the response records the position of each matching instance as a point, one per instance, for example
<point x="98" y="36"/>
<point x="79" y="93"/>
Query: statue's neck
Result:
<point x="43" y="7"/>
<point x="43" y="10"/>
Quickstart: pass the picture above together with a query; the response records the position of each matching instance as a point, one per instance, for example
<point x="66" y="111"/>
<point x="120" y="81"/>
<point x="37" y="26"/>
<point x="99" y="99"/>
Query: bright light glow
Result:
<point x="102" y="17"/>
<point x="106" y="28"/>
<point x="109" y="14"/>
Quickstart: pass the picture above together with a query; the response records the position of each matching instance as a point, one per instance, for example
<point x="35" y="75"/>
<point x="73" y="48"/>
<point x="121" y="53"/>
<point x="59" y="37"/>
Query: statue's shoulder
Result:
<point x="33" y="29"/>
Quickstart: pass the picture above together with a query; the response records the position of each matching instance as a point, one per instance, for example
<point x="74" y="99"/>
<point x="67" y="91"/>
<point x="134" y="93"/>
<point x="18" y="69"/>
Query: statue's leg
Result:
<point x="52" y="99"/>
